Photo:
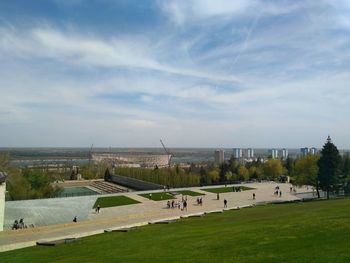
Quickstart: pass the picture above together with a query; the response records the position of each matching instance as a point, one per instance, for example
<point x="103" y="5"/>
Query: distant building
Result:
<point x="284" y="153"/>
<point x="219" y="156"/>
<point x="237" y="153"/>
<point x="313" y="151"/>
<point x="304" y="151"/>
<point x="273" y="153"/>
<point x="132" y="160"/>
<point x="249" y="153"/>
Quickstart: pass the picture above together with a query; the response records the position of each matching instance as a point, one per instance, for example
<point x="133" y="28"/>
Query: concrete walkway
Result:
<point x="141" y="214"/>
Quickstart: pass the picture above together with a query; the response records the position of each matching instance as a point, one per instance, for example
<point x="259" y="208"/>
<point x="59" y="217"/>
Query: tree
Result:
<point x="108" y="175"/>
<point x="243" y="173"/>
<point x="214" y="175"/>
<point x="306" y="170"/>
<point x="328" y="165"/>
<point x="224" y="168"/>
<point x="229" y="176"/>
<point x="272" y="169"/>
<point x="289" y="164"/>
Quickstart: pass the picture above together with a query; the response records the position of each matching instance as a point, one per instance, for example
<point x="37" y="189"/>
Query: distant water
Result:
<point x="71" y="156"/>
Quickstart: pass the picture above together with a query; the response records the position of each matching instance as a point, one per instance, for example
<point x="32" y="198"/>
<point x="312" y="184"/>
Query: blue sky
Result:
<point x="194" y="73"/>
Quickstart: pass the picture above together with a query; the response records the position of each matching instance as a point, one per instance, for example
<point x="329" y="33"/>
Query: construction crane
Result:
<point x="167" y="152"/>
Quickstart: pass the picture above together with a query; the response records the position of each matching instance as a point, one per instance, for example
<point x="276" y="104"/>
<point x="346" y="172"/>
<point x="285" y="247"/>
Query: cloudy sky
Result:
<point x="196" y="73"/>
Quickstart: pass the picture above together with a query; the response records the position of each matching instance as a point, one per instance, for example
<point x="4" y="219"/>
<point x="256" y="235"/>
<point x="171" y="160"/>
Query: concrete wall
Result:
<point x="135" y="183"/>
<point x="2" y="205"/>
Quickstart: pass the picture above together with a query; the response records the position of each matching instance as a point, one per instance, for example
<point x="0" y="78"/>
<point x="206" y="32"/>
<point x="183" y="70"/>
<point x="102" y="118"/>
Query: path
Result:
<point x="140" y="214"/>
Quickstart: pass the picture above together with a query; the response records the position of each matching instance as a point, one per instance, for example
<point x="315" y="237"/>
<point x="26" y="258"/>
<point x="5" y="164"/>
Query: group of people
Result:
<point x="293" y="189"/>
<point x="200" y="201"/>
<point x="178" y="204"/>
<point x="19" y="224"/>
<point x="277" y="192"/>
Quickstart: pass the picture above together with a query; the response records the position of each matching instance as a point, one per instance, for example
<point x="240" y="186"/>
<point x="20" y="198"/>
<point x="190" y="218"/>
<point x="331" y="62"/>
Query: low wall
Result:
<point x="135" y="183"/>
<point x="2" y="205"/>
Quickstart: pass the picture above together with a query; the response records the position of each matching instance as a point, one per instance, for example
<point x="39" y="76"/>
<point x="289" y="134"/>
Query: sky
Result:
<point x="194" y="73"/>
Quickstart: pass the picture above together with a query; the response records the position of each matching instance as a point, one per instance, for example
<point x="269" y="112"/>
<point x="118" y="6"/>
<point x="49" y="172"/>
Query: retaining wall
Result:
<point x="135" y="183"/>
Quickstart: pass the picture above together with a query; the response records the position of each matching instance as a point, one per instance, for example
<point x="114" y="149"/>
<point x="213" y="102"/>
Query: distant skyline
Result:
<point x="221" y="73"/>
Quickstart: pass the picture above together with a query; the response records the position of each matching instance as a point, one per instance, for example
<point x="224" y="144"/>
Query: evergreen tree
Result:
<point x="328" y="165"/>
<point x="107" y="176"/>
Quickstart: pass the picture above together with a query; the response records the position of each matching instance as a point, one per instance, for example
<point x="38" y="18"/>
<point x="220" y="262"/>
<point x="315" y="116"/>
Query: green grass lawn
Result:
<point x="110" y="201"/>
<point x="299" y="232"/>
<point x="160" y="196"/>
<point x="188" y="192"/>
<point x="227" y="189"/>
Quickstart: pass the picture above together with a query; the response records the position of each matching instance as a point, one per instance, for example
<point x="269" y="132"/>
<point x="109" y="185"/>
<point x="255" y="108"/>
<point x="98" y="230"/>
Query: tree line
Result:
<point x="27" y="183"/>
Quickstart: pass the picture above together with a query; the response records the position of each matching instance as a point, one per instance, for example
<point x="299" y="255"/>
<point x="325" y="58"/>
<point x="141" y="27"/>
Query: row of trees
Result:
<point x="234" y="171"/>
<point x="27" y="183"/>
<point x="173" y="177"/>
<point x="328" y="171"/>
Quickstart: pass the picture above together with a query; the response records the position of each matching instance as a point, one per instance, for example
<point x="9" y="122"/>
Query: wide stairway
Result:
<point x="106" y="187"/>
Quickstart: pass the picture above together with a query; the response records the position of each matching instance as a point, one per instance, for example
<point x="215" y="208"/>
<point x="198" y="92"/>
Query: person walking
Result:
<point x="253" y="196"/>
<point x="225" y="203"/>
<point x="280" y="193"/>
<point x="217" y="196"/>
<point x="75" y="219"/>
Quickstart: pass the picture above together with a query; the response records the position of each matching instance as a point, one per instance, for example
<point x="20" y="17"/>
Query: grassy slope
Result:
<point x="226" y="189"/>
<point x="189" y="193"/>
<point x="160" y="196"/>
<point x="306" y="232"/>
<point x="110" y="201"/>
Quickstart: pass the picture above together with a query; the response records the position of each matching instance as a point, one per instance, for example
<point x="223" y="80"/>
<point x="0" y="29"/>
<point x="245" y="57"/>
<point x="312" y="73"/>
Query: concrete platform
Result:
<point x="60" y="226"/>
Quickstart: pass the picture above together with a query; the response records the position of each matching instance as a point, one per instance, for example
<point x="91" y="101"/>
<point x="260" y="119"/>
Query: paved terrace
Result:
<point x="54" y="216"/>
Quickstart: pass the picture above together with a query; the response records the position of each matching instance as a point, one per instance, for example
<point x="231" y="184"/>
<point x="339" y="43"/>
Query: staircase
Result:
<point x="107" y="188"/>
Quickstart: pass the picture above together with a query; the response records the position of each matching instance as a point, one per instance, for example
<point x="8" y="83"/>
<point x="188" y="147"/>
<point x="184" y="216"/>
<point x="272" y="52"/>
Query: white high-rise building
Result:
<point x="237" y="153"/>
<point x="250" y="153"/>
<point x="304" y="151"/>
<point x="313" y="151"/>
<point x="284" y="153"/>
<point x="274" y="153"/>
<point x="219" y="156"/>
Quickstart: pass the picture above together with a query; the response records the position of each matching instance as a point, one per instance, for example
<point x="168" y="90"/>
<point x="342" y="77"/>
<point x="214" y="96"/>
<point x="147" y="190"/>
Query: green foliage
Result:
<point x="93" y="171"/>
<point x="273" y="233"/>
<point x="306" y="170"/>
<point x="227" y="189"/>
<point x="289" y="165"/>
<point x="228" y="176"/>
<point x="107" y="176"/>
<point x="27" y="183"/>
<point x="214" y="176"/>
<point x="243" y="173"/>
<point x="188" y="192"/>
<point x="329" y="165"/>
<point x="159" y="196"/>
<point x="111" y="201"/>
<point x="272" y="169"/>
<point x="164" y="176"/>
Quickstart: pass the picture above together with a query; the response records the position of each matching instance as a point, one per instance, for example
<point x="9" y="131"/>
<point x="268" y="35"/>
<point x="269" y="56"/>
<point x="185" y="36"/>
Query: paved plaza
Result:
<point x="53" y="217"/>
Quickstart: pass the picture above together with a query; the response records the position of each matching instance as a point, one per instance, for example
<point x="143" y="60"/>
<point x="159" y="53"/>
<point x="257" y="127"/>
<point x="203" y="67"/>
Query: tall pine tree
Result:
<point x="328" y="166"/>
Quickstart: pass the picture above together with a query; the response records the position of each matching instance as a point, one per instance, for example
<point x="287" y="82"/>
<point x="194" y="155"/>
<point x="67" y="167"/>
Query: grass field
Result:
<point x="160" y="196"/>
<point x="226" y="189"/>
<point x="110" y="201"/>
<point x="188" y="192"/>
<point x="300" y="232"/>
